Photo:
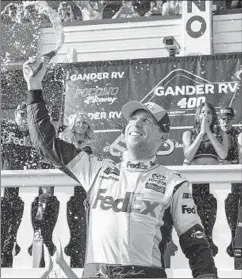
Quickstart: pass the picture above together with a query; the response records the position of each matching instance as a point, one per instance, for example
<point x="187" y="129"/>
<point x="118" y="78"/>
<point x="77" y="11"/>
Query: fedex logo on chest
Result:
<point x="131" y="203"/>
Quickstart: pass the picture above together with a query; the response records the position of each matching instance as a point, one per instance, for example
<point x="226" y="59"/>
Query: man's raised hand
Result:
<point x="34" y="71"/>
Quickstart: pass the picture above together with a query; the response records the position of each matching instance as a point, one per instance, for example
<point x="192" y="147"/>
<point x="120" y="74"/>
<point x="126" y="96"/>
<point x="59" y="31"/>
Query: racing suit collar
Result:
<point x="141" y="165"/>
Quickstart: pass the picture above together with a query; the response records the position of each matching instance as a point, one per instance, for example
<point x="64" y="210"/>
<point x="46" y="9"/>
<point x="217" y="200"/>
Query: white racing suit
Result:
<point x="132" y="207"/>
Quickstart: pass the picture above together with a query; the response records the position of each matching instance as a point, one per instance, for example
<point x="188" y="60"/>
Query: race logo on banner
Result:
<point x="186" y="96"/>
<point x="197" y="19"/>
<point x="178" y="85"/>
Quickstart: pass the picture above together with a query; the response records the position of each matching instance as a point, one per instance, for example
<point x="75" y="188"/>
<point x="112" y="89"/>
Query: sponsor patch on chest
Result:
<point x="155" y="187"/>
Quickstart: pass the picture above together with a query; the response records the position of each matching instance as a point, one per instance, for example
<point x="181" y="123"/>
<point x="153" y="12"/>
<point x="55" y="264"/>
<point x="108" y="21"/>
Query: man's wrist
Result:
<point x="36" y="86"/>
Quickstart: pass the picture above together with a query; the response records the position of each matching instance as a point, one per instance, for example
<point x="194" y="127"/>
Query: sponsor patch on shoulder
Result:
<point x="155" y="187"/>
<point x="187" y="196"/>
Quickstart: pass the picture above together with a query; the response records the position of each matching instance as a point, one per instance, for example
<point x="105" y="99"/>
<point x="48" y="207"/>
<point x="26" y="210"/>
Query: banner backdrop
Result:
<point x="178" y="84"/>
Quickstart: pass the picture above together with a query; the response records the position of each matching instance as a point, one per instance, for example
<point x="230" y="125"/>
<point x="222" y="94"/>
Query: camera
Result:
<point x="171" y="45"/>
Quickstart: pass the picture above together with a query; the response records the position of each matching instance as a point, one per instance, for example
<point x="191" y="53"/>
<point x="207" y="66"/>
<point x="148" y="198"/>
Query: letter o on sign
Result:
<point x="199" y="33"/>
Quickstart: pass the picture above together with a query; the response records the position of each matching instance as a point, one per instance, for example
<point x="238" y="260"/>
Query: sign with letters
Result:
<point x="178" y="84"/>
<point x="197" y="20"/>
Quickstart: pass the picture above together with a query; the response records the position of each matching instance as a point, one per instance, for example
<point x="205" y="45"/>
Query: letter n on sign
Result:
<point x="197" y="26"/>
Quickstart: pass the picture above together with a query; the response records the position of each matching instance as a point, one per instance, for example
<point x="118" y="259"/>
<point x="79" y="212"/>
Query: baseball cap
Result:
<point x="156" y="112"/>
<point x="22" y="106"/>
<point x="227" y="112"/>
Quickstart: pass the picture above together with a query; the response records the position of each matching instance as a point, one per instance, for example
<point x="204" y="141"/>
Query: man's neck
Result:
<point x="138" y="156"/>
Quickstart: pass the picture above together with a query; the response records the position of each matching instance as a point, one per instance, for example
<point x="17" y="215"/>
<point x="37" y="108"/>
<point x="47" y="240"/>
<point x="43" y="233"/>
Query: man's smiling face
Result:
<point x="142" y="133"/>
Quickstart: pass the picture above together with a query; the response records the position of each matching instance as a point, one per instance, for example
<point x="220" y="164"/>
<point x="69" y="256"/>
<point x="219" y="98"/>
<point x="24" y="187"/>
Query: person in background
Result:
<point x="172" y="8"/>
<point x="226" y="117"/>
<point x="155" y="8"/>
<point x="127" y="10"/>
<point x="17" y="154"/>
<point x="78" y="131"/>
<point x="129" y="202"/>
<point x="91" y="10"/>
<point x="65" y="12"/>
<point x="205" y="144"/>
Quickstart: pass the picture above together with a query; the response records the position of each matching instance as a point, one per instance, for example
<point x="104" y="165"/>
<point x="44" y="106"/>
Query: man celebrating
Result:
<point x="132" y="204"/>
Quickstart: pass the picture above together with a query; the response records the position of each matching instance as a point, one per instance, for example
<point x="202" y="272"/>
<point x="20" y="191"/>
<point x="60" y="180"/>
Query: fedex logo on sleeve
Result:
<point x="188" y="210"/>
<point x="131" y="203"/>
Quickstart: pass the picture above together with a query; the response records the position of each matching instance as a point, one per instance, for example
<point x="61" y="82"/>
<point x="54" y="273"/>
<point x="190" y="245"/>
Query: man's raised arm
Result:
<point x="60" y="153"/>
<point x="42" y="132"/>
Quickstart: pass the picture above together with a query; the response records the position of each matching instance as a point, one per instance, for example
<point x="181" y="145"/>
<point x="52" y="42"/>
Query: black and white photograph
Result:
<point x="121" y="139"/>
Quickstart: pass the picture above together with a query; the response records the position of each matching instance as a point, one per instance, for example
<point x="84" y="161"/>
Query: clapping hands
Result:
<point x="204" y="125"/>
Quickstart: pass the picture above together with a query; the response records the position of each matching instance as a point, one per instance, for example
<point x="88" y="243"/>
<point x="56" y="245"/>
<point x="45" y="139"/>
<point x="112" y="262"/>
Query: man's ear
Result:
<point x="164" y="136"/>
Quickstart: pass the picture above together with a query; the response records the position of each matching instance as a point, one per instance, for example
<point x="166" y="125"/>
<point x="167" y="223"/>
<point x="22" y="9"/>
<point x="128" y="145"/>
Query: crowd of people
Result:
<point x="92" y="10"/>
<point x="70" y="11"/>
